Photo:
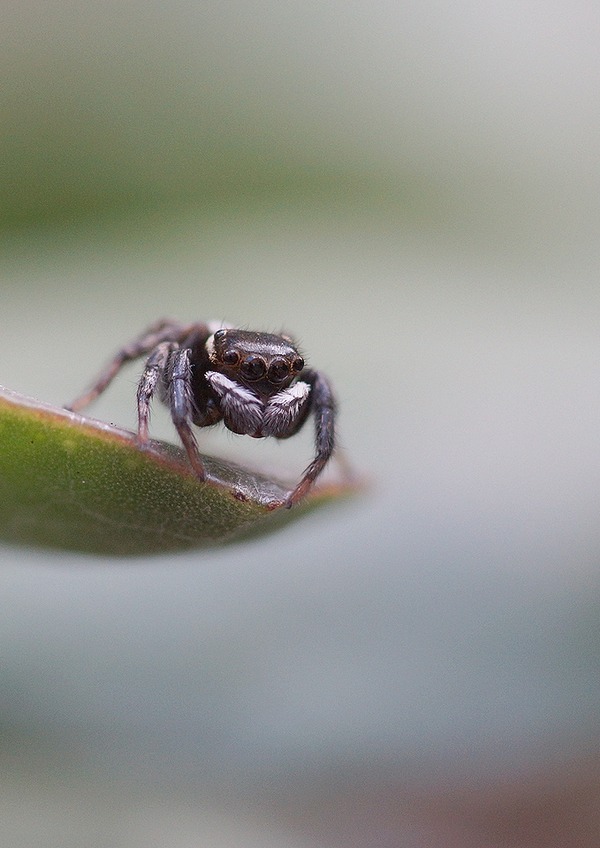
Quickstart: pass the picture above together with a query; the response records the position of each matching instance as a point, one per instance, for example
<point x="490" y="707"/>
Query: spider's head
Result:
<point x="263" y="362"/>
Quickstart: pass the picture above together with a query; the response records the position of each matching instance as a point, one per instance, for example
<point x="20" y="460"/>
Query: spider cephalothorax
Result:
<point x="255" y="383"/>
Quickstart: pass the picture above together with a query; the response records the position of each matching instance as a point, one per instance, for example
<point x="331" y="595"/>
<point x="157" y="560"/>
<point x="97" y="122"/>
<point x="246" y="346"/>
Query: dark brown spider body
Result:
<point x="263" y="362"/>
<point x="255" y="383"/>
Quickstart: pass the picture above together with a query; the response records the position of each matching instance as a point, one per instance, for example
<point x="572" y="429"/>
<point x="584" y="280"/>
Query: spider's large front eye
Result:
<point x="253" y="367"/>
<point x="230" y="357"/>
<point x="278" y="370"/>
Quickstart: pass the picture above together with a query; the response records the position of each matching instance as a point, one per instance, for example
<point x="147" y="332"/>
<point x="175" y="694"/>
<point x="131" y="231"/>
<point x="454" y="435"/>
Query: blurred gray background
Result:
<point x="413" y="190"/>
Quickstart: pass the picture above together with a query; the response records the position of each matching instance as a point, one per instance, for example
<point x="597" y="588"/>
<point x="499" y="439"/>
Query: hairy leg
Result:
<point x="162" y="331"/>
<point x="180" y="403"/>
<point x="323" y="408"/>
<point x="153" y="372"/>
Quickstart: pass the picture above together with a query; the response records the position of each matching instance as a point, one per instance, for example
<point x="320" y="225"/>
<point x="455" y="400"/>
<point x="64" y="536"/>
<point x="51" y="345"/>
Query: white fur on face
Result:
<point x="213" y="326"/>
<point x="283" y="409"/>
<point x="244" y="412"/>
<point x="241" y="408"/>
<point x="210" y="347"/>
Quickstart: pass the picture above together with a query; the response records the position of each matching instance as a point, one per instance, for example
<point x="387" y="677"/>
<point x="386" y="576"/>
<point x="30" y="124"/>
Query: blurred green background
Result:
<point x="412" y="189"/>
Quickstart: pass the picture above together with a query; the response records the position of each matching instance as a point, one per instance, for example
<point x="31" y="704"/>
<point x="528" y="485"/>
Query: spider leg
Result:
<point x="179" y="399"/>
<point x="154" y="370"/>
<point x="161" y="331"/>
<point x="323" y="406"/>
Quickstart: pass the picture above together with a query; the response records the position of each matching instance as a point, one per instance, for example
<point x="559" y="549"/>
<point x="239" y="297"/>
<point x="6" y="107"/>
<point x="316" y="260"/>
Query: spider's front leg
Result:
<point x="322" y="404"/>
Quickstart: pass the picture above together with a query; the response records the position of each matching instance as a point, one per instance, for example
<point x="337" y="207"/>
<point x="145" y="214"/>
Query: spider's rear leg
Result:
<point x="160" y="331"/>
<point x="178" y="385"/>
<point x="155" y="369"/>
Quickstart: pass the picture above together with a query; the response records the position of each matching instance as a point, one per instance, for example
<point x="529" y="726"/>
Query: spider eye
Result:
<point x="278" y="370"/>
<point x="230" y="357"/>
<point x="253" y="367"/>
<point x="298" y="364"/>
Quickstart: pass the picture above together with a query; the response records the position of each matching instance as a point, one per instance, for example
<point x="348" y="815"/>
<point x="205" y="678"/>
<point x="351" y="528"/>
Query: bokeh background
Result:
<point x="413" y="189"/>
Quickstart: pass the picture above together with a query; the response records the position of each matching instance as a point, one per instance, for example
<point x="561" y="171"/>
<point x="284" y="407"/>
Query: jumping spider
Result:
<point x="255" y="383"/>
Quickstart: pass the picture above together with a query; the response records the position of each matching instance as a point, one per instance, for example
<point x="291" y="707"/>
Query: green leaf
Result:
<point x="72" y="483"/>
